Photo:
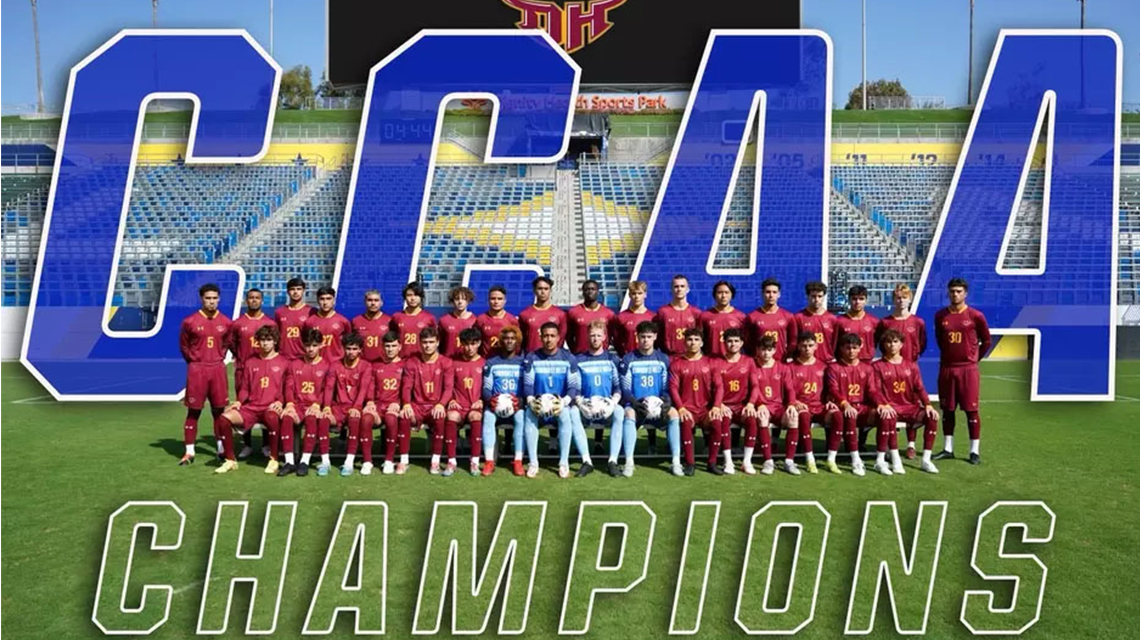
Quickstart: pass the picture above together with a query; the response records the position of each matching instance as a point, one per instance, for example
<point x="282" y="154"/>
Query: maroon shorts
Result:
<point x="959" y="387"/>
<point x="422" y="415"/>
<point x="251" y="416"/>
<point x="699" y="415"/>
<point x="340" y="413"/>
<point x="815" y="416"/>
<point x="775" y="415"/>
<point x="910" y="415"/>
<point x="206" y="382"/>
<point x="866" y="416"/>
<point x="737" y="413"/>
<point x="239" y="379"/>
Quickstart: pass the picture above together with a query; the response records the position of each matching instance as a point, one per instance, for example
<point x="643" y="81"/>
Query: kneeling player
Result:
<point x="775" y="400"/>
<point x="848" y="379"/>
<point x="466" y="403"/>
<point x="901" y="397"/>
<point x="351" y="378"/>
<point x="425" y="390"/>
<point x="601" y="396"/>
<point x="737" y="372"/>
<point x="551" y="384"/>
<point x="502" y="379"/>
<point x="307" y="387"/>
<point x="694" y="390"/>
<point x="259" y="399"/>
<point x="808" y="376"/>
<point x="384" y="406"/>
<point x="645" y="393"/>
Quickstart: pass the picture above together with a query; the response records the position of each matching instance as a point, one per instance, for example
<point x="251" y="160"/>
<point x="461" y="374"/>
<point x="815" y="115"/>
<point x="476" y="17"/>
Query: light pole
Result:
<point x="864" y="55"/>
<point x="270" y="28"/>
<point x="1082" y="14"/>
<point x="39" y="75"/>
<point x="970" y="64"/>
<point x="154" y="14"/>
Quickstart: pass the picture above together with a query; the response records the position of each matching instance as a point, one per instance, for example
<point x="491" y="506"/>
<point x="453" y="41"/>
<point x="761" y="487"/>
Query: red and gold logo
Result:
<point x="573" y="25"/>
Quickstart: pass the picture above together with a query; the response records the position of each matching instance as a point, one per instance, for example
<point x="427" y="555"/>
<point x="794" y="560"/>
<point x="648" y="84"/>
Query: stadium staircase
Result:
<point x="866" y="253"/>
<point x="579" y="233"/>
<point x="567" y="216"/>
<point x="244" y="249"/>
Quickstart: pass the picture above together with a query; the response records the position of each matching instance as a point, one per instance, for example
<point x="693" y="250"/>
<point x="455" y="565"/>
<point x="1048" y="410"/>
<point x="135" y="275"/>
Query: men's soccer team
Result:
<point x="678" y="369"/>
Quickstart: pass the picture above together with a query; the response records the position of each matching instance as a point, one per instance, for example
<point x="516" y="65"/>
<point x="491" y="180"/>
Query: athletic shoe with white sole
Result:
<point x="227" y="466"/>
<point x="834" y="468"/>
<point x="366" y="469"/>
<point x="563" y="471"/>
<point x="768" y="468"/>
<point x="883" y="468"/>
<point x="747" y="469"/>
<point x="729" y="468"/>
<point x="627" y="469"/>
<point x="790" y="467"/>
<point x="346" y="471"/>
<point x="245" y="453"/>
<point x="811" y="467"/>
<point x="272" y="467"/>
<point x="928" y="467"/>
<point x="676" y="469"/>
<point x="532" y="471"/>
<point x="858" y="469"/>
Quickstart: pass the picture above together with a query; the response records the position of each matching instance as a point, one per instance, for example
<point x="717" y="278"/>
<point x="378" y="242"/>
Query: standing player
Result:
<point x="502" y="382"/>
<point x="808" y="373"/>
<point x="291" y="318"/>
<point x="372" y="325"/>
<point x="582" y="316"/>
<point x="244" y="345"/>
<point x="721" y="317"/>
<point x="817" y="320"/>
<point x="694" y="389"/>
<point x="737" y="375"/>
<point x="425" y="390"/>
<point x="775" y="400"/>
<point x="491" y="323"/>
<point x="307" y="397"/>
<point x="412" y="320"/>
<point x="677" y="316"/>
<point x="259" y="400"/>
<point x="452" y="324"/>
<point x="600" y="400"/>
<point x="623" y="334"/>
<point x="551" y="384"/>
<point x="900" y="396"/>
<point x="858" y="322"/>
<point x="538" y="314"/>
<point x="466" y="403"/>
<point x="331" y="324"/>
<point x="964" y="339"/>
<point x="769" y="319"/>
<point x="384" y="406"/>
<point x="911" y="327"/>
<point x="848" y="385"/>
<point x="351" y="378"/>
<point x="645" y="393"/>
<point x="202" y="340"/>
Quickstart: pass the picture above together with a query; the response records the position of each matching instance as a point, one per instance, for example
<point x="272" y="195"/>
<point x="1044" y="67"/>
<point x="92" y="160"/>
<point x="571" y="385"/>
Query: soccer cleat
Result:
<point x="768" y="468"/>
<point x="563" y="471"/>
<point x="449" y="470"/>
<point x="366" y="469"/>
<point x="858" y="469"/>
<point x="747" y="469"/>
<point x="690" y="470"/>
<point x="401" y="468"/>
<point x="897" y="468"/>
<point x="434" y="469"/>
<point x="882" y="468"/>
<point x="584" y="470"/>
<point x="322" y="470"/>
<point x="227" y="466"/>
<point x="729" y="468"/>
<point x="186" y="460"/>
<point x="272" y="467"/>
<point x="677" y="470"/>
<point x="285" y="470"/>
<point x="910" y="453"/>
<point x="488" y="467"/>
<point x="532" y="470"/>
<point x="928" y="467"/>
<point x="302" y="469"/>
<point x="832" y="467"/>
<point x="627" y="469"/>
<point x="345" y="471"/>
<point x="975" y="459"/>
<point x="791" y="468"/>
<point x="517" y="468"/>
<point x="388" y="468"/>
<point x="944" y="455"/>
<point x="716" y="470"/>
<point x="613" y="469"/>
<point x="245" y="453"/>
<point x="812" y="469"/>
<point x="474" y="469"/>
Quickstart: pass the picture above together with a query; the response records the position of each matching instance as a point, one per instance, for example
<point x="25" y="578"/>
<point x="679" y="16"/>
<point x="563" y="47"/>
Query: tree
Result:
<point x="877" y="88"/>
<point x="297" y="88"/>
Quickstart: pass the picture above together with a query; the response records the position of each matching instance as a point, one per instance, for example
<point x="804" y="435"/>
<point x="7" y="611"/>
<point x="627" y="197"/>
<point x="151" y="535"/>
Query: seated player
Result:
<point x="413" y="319"/>
<point x="578" y="321"/>
<point x="737" y="372"/>
<point x="645" y="393"/>
<point x="502" y="380"/>
<point x="848" y="382"/>
<point x="202" y="340"/>
<point x="720" y="317"/>
<point x="331" y="324"/>
<point x="242" y="341"/>
<point x="259" y="400"/>
<point x="694" y="390"/>
<point x="808" y="378"/>
<point x="491" y="322"/>
<point x="900" y="396"/>
<point x="351" y="378"/>
<point x="466" y="403"/>
<point x="598" y="405"/>
<point x="775" y="399"/>
<point x="307" y="398"/>
<point x="453" y="323"/>
<point x="425" y="390"/>
<point x="551" y="384"/>
<point x="372" y="325"/>
<point x="623" y="333"/>
<point x="913" y="330"/>
<point x="383" y="406"/>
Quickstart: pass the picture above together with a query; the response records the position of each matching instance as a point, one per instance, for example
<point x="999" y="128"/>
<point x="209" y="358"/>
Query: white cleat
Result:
<point x="928" y="467"/>
<point x="790" y="467"/>
<point x="366" y="469"/>
<point x="748" y="469"/>
<point x="563" y="471"/>
<point x="882" y="468"/>
<point x="729" y="468"/>
<point x="858" y="469"/>
<point x="388" y="468"/>
<point x="245" y="453"/>
<point x="627" y="469"/>
<point x="897" y="468"/>
<point x="532" y="470"/>
<point x="768" y="468"/>
<point x="677" y="470"/>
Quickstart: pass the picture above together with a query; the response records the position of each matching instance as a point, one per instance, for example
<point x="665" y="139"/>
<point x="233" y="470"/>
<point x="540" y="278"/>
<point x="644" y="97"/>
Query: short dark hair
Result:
<point x="857" y="290"/>
<point x="265" y="332"/>
<point x="548" y="281"/>
<point x="958" y="282"/>
<point x="591" y="281"/>
<point x="208" y="287"/>
<point x="549" y="325"/>
<point x="414" y="287"/>
<point x="350" y="339"/>
<point x="326" y="291"/>
<point x="254" y="290"/>
<point x="391" y="336"/>
<point x="295" y="282"/>
<point x="311" y="335"/>
<point x="724" y="283"/>
<point x="428" y="332"/>
<point x="804" y="336"/>
<point x="889" y="335"/>
<point x="732" y="332"/>
<point x="497" y="287"/>
<point x="850" y="339"/>
<point x="647" y="326"/>
<point x="692" y="331"/>
<point x="815" y="286"/>
<point x="767" y="342"/>
<point x="470" y="335"/>
<point x="680" y="276"/>
<point x="770" y="282"/>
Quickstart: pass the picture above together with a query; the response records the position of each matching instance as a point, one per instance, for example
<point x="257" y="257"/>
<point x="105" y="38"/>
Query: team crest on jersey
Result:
<point x="573" y="26"/>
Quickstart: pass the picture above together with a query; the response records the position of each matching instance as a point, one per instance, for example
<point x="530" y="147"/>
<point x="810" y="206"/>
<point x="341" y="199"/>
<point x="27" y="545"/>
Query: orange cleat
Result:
<point x="517" y="468"/>
<point x="488" y="467"/>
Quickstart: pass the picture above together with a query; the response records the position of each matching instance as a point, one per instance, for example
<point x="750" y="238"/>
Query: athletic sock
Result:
<point x="748" y="455"/>
<point x="926" y="455"/>
<point x="831" y="456"/>
<point x="974" y="424"/>
<point x="190" y="450"/>
<point x="881" y="458"/>
<point x="349" y="460"/>
<point x="403" y="458"/>
<point x="974" y="445"/>
<point x="289" y="458"/>
<point x="948" y="443"/>
<point x="306" y="457"/>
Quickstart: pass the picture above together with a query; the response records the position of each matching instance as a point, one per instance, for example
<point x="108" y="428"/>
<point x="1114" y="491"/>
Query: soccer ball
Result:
<point x="548" y="402"/>
<point x="653" y="406"/>
<point x="504" y="405"/>
<point x="599" y="407"/>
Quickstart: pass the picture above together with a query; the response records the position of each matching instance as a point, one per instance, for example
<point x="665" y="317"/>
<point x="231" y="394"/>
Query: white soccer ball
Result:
<point x="599" y="407"/>
<point x="547" y="403"/>
<point x="504" y="405"/>
<point x="653" y="406"/>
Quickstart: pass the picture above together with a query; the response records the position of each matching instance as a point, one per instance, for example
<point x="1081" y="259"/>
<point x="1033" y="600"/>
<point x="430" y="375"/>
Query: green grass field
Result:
<point x="71" y="465"/>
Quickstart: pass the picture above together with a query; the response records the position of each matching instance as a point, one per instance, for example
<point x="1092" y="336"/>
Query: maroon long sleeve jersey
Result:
<point x="290" y="321"/>
<point x="427" y="383"/>
<point x="694" y="384"/>
<point x="714" y="323"/>
<point x="332" y="327"/>
<point x="467" y="383"/>
<point x="306" y="383"/>
<point x="808" y="380"/>
<point x="849" y="383"/>
<point x="864" y="327"/>
<point x="450" y="326"/>
<point x="490" y="327"/>
<point x="736" y="380"/>
<point x="672" y="323"/>
<point x="778" y="323"/>
<point x="623" y="330"/>
<point x="824" y="326"/>
<point x="913" y="332"/>
<point x="242" y="340"/>
<point x="372" y="331"/>
<point x="203" y="338"/>
<point x="578" y="321"/>
<point x="775" y="387"/>
<point x="531" y="320"/>
<point x="351" y="385"/>
<point x="264" y="382"/>
<point x="409" y="327"/>
<point x="386" y="379"/>
<point x="898" y="384"/>
<point x="963" y="336"/>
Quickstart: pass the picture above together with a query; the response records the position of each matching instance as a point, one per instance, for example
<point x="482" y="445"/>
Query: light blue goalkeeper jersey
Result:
<point x="643" y="376"/>
<point x="502" y="375"/>
<point x="599" y="373"/>
<point x="556" y="374"/>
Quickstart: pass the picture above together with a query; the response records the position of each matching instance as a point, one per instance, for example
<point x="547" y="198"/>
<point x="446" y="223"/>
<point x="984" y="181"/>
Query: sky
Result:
<point x="923" y="43"/>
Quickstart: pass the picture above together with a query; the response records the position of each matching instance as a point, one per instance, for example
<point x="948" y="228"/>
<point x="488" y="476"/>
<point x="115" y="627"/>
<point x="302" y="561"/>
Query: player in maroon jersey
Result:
<point x="721" y="317"/>
<point x="737" y="372"/>
<point x="452" y="324"/>
<point x="243" y="344"/>
<point x="675" y="317"/>
<point x="413" y="319"/>
<point x="466" y="403"/>
<point x="898" y="391"/>
<point x="911" y="327"/>
<point x="308" y="394"/>
<point x="623" y="335"/>
<point x="579" y="318"/>
<point x="372" y="325"/>
<point x="808" y="373"/>
<point x="331" y="324"/>
<point x="964" y="339"/>
<point x="291" y="318"/>
<point x="202" y="340"/>
<point x="847" y="385"/>
<point x="857" y="321"/>
<point x="817" y="320"/>
<point x="492" y="322"/>
<point x="351" y="377"/>
<point x="696" y="394"/>
<point x="542" y="311"/>
<point x="425" y="390"/>
<point x="775" y="400"/>
<point x="260" y="399"/>
<point x="384" y="406"/>
<point x="769" y="319"/>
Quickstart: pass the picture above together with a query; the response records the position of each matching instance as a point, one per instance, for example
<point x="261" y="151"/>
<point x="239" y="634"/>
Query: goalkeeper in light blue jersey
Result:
<point x="600" y="401"/>
<point x="502" y="384"/>
<point x="645" y="392"/>
<point x="551" y="385"/>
